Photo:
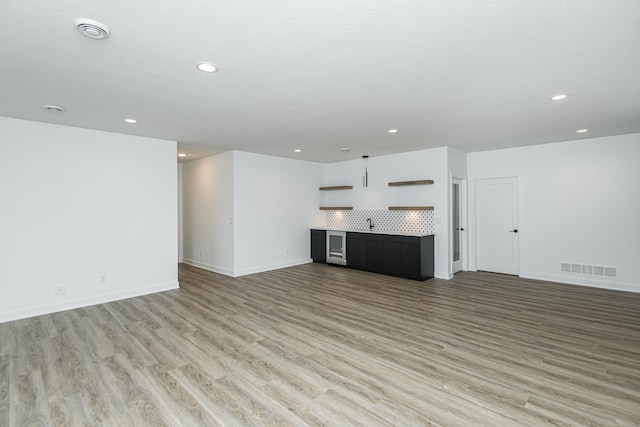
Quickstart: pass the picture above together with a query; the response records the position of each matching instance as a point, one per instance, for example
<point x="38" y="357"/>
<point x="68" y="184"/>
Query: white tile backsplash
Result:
<point x="410" y="221"/>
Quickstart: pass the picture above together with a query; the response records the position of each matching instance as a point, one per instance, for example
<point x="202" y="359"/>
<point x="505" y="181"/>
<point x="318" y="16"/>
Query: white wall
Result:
<point x="424" y="164"/>
<point x="579" y="202"/>
<point x="249" y="212"/>
<point x="180" y="215"/>
<point x="207" y="196"/>
<point x="78" y="205"/>
<point x="457" y="163"/>
<point x="276" y="202"/>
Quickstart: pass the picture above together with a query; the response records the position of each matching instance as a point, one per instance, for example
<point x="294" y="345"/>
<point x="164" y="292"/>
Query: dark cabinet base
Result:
<point x="319" y="245"/>
<point x="410" y="257"/>
<point x="401" y="256"/>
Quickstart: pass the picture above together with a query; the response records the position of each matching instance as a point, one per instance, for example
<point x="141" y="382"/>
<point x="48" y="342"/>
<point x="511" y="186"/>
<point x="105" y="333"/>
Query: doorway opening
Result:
<point x="458" y="225"/>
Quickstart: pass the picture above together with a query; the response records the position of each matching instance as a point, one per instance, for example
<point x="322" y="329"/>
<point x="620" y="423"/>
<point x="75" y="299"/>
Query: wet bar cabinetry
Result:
<point x="319" y="245"/>
<point x="410" y="257"/>
<point x="397" y="255"/>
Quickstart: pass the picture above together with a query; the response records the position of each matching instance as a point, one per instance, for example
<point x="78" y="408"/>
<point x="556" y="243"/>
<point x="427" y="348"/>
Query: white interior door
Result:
<point x="458" y="225"/>
<point x="497" y="222"/>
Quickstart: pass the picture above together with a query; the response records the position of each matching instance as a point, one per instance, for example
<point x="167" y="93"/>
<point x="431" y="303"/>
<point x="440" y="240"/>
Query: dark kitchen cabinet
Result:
<point x="410" y="257"/>
<point x="427" y="261"/>
<point x="319" y="245"/>
<point x="403" y="257"/>
<point x="357" y="251"/>
<point x="375" y="253"/>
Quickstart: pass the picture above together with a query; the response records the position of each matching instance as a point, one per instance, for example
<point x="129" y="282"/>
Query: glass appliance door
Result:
<point x="336" y="249"/>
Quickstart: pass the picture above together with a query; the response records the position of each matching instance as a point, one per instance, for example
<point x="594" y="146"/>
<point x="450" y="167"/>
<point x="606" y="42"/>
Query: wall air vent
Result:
<point x="92" y="29"/>
<point x="593" y="270"/>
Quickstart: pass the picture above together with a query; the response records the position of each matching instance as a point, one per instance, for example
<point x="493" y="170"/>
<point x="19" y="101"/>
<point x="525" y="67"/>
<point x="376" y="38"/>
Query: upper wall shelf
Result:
<point x="418" y="182"/>
<point x="336" y="208"/>
<point x="410" y="208"/>
<point x="337" y="187"/>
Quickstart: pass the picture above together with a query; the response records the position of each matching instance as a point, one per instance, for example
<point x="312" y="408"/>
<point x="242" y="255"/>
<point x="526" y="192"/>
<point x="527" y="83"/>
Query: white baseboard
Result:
<point x="209" y="267"/>
<point x="445" y="276"/>
<point x="277" y="266"/>
<point x="85" y="302"/>
<point x="246" y="271"/>
<point x="628" y="287"/>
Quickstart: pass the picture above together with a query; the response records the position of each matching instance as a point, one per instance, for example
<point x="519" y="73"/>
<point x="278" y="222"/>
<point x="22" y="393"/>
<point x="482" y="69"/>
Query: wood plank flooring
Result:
<point x="322" y="345"/>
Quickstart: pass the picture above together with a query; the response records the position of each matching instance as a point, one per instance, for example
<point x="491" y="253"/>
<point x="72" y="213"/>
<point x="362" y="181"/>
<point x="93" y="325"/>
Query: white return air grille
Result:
<point x="594" y="270"/>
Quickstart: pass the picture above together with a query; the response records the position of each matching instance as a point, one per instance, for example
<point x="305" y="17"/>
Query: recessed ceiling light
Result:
<point x="559" y="97"/>
<point x="53" y="108"/>
<point x="297" y="150"/>
<point x="393" y="131"/>
<point x="345" y="149"/>
<point x="182" y="155"/>
<point x="131" y="120"/>
<point x="207" y="67"/>
<point x="92" y="29"/>
<point x="582" y="130"/>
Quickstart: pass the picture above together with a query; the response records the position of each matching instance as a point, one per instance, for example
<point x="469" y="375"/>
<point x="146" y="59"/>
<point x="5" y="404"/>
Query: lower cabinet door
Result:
<point x="375" y="253"/>
<point x="411" y="259"/>
<point x="319" y="245"/>
<point x="357" y="251"/>
<point x="402" y="257"/>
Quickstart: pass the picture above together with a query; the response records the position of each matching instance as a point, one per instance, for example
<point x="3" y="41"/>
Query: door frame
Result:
<point x="463" y="263"/>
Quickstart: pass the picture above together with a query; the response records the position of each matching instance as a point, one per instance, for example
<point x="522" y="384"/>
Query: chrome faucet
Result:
<point x="370" y="223"/>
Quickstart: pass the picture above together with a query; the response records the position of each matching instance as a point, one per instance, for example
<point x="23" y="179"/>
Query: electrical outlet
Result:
<point x="286" y="251"/>
<point x="60" y="290"/>
<point x="201" y="252"/>
<point x="103" y="279"/>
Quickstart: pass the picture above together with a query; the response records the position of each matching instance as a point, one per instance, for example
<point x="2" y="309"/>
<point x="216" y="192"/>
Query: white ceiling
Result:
<point x="320" y="75"/>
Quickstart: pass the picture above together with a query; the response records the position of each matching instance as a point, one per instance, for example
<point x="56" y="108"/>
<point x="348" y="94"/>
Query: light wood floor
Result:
<point x="323" y="345"/>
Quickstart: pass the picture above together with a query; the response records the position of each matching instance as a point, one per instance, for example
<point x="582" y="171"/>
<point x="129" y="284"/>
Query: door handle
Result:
<point x="459" y="229"/>
<point x="513" y="231"/>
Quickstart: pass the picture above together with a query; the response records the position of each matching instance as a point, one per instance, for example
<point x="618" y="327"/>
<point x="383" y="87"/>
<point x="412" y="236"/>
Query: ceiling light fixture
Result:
<point x="182" y="155"/>
<point x="53" y="108"/>
<point x="559" y="97"/>
<point x="582" y="130"/>
<point x="297" y="150"/>
<point x="132" y="121"/>
<point x="92" y="29"/>
<point x="393" y="131"/>
<point x="345" y="149"/>
<point x="207" y="67"/>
